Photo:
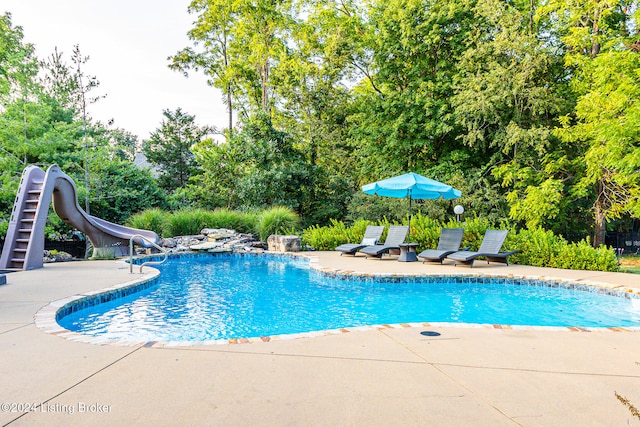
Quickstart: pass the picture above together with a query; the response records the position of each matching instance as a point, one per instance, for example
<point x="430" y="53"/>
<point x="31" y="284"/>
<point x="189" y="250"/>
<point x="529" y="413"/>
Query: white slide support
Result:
<point x="24" y="243"/>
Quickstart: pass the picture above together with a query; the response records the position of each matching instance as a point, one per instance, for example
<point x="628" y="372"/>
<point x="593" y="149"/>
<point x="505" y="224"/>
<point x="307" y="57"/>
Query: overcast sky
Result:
<point x="128" y="42"/>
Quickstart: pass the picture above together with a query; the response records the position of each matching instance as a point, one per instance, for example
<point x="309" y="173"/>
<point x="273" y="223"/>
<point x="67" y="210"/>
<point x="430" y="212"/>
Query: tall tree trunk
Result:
<point x="595" y="45"/>
<point x="230" y="107"/>
<point x="225" y="55"/>
<point x="265" y="86"/>
<point x="599" y="230"/>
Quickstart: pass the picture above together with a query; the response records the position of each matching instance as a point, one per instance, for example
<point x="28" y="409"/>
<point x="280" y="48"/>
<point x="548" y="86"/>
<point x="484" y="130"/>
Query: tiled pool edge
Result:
<point x="577" y="284"/>
<point x="46" y="318"/>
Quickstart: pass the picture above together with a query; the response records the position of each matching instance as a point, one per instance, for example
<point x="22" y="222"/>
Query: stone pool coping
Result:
<point x="325" y="263"/>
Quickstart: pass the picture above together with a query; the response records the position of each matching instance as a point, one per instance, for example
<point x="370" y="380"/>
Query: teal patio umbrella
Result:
<point x="412" y="186"/>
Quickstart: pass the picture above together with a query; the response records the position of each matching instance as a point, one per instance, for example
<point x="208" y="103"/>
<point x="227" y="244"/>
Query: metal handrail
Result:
<point x="146" y="262"/>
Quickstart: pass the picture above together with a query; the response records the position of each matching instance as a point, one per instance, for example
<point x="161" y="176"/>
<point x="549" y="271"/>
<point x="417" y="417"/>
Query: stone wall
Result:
<point x="213" y="240"/>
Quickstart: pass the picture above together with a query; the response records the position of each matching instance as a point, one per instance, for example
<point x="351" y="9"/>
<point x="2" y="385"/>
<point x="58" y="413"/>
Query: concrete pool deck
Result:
<point x="434" y="375"/>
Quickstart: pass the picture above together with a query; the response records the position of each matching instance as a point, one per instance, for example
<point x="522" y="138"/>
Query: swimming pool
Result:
<point x="205" y="297"/>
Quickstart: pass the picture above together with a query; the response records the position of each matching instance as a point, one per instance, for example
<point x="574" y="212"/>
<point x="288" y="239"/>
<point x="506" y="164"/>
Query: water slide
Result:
<point x="24" y="244"/>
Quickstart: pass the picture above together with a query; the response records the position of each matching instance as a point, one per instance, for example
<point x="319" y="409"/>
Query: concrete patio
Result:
<point x="433" y="375"/>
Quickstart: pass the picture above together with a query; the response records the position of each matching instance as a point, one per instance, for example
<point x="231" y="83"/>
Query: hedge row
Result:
<point x="537" y="247"/>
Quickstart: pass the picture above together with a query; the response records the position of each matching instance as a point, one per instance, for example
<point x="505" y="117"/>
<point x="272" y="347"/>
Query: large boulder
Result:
<point x="279" y="243"/>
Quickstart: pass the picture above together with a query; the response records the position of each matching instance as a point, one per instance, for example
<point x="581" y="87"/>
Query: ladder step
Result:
<point x="30" y="210"/>
<point x="27" y="220"/>
<point x="34" y="192"/>
<point x="20" y="250"/>
<point x="24" y="230"/>
<point x="19" y="260"/>
<point x="32" y="200"/>
<point x="22" y="240"/>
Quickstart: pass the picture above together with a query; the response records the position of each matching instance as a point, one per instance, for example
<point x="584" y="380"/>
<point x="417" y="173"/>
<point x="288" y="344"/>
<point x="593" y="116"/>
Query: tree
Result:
<point x="403" y="118"/>
<point x="238" y="45"/>
<point x="120" y="189"/>
<point x="268" y="169"/>
<point x="604" y="125"/>
<point x="608" y="124"/>
<point x="260" y="165"/>
<point x="31" y="129"/>
<point x="169" y="148"/>
<point x="508" y="92"/>
<point x="212" y="35"/>
<point x="312" y="83"/>
<point x="18" y="63"/>
<point x="18" y="93"/>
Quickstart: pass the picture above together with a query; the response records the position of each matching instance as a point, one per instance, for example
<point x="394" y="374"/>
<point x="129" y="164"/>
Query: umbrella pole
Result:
<point x="409" y="234"/>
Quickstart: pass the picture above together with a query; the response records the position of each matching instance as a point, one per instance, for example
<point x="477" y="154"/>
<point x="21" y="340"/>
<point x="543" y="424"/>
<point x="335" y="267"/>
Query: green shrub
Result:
<point x="474" y="229"/>
<point x="355" y="233"/>
<point x="243" y="222"/>
<point x="325" y="238"/>
<point x="425" y="231"/>
<point x="277" y="220"/>
<point x="329" y="237"/>
<point x="186" y="222"/>
<point x="55" y="228"/>
<point x="537" y="247"/>
<point x="4" y="226"/>
<point x="192" y="221"/>
<point x="542" y="248"/>
<point x="582" y="256"/>
<point x="103" y="254"/>
<point x="149" y="219"/>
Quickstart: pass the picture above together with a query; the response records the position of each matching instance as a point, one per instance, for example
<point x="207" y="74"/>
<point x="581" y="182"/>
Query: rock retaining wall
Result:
<point x="213" y="240"/>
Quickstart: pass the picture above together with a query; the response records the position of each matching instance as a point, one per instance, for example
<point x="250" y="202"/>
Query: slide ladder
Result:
<point x="23" y="248"/>
<point x="24" y="244"/>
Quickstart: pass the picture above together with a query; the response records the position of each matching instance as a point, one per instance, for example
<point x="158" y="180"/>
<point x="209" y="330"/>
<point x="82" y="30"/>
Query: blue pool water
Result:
<point x="206" y="297"/>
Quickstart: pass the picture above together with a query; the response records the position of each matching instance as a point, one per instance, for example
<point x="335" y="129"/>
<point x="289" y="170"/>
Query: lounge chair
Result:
<point x="489" y="249"/>
<point x="449" y="242"/>
<point x="371" y="236"/>
<point x="395" y="237"/>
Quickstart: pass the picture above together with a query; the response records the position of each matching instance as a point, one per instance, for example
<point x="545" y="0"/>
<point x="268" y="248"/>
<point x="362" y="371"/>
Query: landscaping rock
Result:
<point x="279" y="243"/>
<point x="258" y="245"/>
<point x="205" y="246"/>
<point x="168" y="243"/>
<point x="56" y="256"/>
<point x="213" y="240"/>
<point x="219" y="240"/>
<point x="214" y="234"/>
<point x="185" y="242"/>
